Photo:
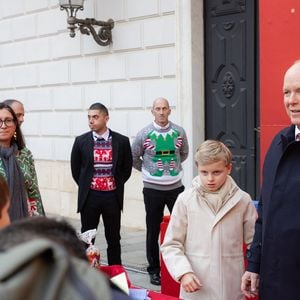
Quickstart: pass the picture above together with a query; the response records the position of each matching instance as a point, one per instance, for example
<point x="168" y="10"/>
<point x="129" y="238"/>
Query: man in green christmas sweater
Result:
<point x="158" y="151"/>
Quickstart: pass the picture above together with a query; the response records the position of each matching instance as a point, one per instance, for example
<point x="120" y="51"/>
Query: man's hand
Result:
<point x="250" y="283"/>
<point x="190" y="283"/>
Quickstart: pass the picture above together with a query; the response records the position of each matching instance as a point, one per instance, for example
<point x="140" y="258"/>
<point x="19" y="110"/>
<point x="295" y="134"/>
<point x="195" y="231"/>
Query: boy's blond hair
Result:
<point x="212" y="151"/>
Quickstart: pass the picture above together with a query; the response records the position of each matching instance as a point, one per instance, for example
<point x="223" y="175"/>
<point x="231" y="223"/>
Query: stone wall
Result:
<point x="57" y="78"/>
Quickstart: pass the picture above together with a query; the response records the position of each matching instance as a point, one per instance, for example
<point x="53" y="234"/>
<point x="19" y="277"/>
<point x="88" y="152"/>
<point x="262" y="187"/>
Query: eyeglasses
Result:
<point x="7" y="122"/>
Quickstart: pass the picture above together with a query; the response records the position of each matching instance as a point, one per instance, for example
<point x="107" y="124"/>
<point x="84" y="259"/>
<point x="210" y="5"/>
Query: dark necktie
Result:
<point x="100" y="139"/>
<point x="298" y="137"/>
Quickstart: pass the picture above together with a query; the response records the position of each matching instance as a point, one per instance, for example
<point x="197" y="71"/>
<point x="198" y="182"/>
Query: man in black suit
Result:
<point x="101" y="163"/>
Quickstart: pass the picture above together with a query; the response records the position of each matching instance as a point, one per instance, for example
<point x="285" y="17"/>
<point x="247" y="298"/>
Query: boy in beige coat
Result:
<point x="203" y="245"/>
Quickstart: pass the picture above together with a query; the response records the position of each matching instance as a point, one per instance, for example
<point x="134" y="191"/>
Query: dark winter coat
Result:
<point x="275" y="251"/>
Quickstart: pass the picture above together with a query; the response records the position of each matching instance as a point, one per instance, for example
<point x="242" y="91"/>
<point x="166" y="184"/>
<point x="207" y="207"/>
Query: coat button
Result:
<point x="248" y="254"/>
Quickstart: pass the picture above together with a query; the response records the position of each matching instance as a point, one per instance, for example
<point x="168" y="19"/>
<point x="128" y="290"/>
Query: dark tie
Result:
<point x="298" y="137"/>
<point x="100" y="139"/>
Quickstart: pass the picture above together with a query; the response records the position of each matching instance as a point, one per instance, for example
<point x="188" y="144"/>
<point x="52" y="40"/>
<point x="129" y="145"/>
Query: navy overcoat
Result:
<point x="275" y="251"/>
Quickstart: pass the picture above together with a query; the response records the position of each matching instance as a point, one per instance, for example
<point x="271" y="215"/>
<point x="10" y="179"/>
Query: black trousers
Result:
<point x="155" y="202"/>
<point x="106" y="204"/>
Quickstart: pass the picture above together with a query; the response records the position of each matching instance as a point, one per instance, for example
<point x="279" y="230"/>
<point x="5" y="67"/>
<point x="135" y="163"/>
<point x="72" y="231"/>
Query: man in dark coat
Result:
<point x="273" y="269"/>
<point x="101" y="163"/>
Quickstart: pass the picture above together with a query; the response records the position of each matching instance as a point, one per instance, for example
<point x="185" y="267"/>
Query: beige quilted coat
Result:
<point x="209" y="245"/>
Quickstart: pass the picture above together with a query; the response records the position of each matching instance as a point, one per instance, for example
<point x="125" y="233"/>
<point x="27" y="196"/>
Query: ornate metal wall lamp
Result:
<point x="86" y="26"/>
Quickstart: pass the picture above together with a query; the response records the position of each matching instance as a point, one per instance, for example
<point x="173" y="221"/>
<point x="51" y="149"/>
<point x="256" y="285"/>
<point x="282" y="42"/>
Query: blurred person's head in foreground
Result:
<point x="59" y="231"/>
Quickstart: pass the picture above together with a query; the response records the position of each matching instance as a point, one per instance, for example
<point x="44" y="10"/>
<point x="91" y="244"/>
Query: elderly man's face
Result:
<point x="291" y="92"/>
<point x="161" y="112"/>
<point x="18" y="108"/>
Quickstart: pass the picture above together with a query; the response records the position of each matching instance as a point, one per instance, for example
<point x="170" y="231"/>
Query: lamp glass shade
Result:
<point x="71" y="3"/>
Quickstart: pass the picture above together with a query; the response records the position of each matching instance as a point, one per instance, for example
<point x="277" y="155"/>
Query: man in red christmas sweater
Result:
<point x="101" y="163"/>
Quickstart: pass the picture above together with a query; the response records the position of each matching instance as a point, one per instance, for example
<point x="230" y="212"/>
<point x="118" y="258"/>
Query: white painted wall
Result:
<point x="57" y="78"/>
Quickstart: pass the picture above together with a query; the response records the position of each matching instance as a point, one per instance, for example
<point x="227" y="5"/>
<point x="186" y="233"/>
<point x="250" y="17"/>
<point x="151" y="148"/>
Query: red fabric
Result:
<point x="114" y="270"/>
<point x="157" y="296"/>
<point x="168" y="285"/>
<point x="32" y="208"/>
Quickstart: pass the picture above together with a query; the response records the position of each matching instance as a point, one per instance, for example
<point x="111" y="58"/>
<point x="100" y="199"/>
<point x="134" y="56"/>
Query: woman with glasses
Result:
<point x="17" y="167"/>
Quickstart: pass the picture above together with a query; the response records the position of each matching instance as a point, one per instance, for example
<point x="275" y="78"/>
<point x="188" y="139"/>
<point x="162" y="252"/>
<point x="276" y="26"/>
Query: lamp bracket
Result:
<point x="103" y="37"/>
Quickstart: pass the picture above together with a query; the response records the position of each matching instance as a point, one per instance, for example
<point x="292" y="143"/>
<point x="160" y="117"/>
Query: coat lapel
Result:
<point x="227" y="207"/>
<point x="115" y="150"/>
<point x="89" y="147"/>
<point x="273" y="157"/>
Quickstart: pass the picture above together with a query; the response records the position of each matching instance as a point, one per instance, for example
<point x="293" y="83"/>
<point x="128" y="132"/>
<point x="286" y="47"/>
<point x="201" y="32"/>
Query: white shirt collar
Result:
<point x="105" y="135"/>
<point x="297" y="130"/>
<point x="161" y="127"/>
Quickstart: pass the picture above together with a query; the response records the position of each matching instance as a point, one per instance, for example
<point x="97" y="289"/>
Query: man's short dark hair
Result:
<point x="99" y="106"/>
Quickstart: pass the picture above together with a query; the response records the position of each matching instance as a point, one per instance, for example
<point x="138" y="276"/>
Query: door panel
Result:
<point x="230" y="84"/>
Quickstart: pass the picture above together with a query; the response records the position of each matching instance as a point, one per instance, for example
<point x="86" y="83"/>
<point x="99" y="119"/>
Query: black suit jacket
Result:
<point x="82" y="164"/>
